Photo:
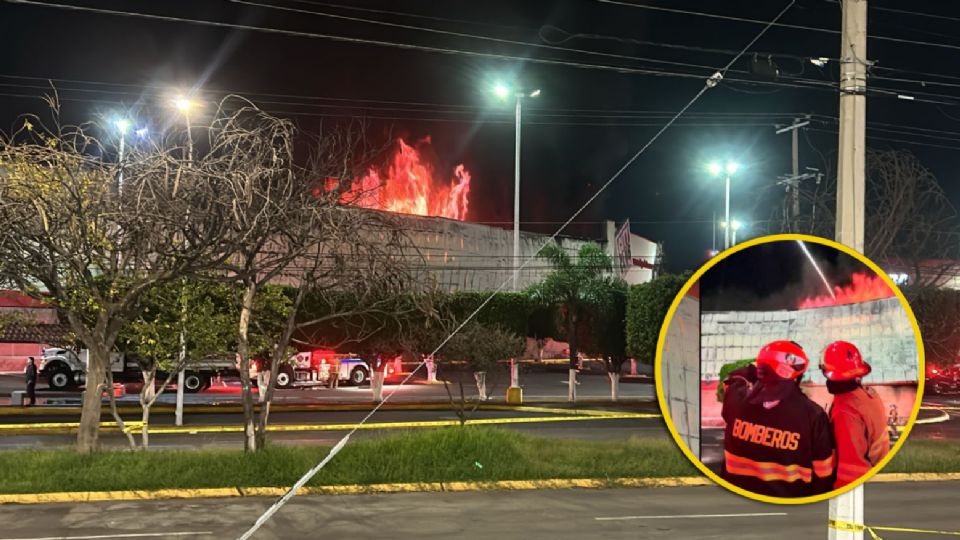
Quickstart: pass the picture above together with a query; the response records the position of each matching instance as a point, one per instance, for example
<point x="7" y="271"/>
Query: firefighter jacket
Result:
<point x="860" y="428"/>
<point x="782" y="448"/>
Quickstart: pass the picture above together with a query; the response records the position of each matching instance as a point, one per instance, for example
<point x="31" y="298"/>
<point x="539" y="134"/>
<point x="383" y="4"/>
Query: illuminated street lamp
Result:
<point x="185" y="106"/>
<point x="122" y="126"/>
<point x="716" y="169"/>
<point x="502" y="91"/>
<point x="735" y="226"/>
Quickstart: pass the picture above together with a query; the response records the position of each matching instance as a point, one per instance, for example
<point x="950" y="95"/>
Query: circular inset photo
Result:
<point x="788" y="369"/>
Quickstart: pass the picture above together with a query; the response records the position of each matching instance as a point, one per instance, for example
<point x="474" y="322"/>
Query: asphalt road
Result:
<point x="698" y="513"/>
<point x="536" y="386"/>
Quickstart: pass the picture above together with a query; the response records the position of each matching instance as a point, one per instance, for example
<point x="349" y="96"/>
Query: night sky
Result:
<point x="584" y="126"/>
<point x="773" y="276"/>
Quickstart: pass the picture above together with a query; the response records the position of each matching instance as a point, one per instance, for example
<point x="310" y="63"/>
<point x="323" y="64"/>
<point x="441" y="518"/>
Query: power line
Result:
<point x="717" y="16"/>
<point x="907" y="12"/>
<point x="408" y="46"/>
<point x="464" y="35"/>
<point x="414" y="106"/>
<point x="409" y="15"/>
<point x="539" y="111"/>
<point x="780" y="25"/>
<point x="890" y="139"/>
<point x="349" y="39"/>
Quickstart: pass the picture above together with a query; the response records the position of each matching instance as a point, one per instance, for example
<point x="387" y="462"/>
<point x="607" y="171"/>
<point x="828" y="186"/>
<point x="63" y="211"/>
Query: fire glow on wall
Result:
<point x="409" y="184"/>
<point x="862" y="288"/>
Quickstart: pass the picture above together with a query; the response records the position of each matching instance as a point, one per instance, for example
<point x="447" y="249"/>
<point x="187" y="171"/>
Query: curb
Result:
<point x="68" y="428"/>
<point x="313" y="407"/>
<point x="358" y="489"/>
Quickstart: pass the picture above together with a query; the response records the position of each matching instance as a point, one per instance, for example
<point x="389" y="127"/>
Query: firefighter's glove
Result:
<point x="746" y="374"/>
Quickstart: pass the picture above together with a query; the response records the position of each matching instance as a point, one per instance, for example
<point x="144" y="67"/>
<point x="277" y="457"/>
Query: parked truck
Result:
<point x="65" y="368"/>
<point x="313" y="368"/>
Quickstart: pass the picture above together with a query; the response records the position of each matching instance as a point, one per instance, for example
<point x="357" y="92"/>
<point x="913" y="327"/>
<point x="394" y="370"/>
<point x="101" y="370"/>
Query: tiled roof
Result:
<point x="18" y="332"/>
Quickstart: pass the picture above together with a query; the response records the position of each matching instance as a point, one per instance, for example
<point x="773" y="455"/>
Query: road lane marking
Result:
<point x="692" y="516"/>
<point x="130" y="535"/>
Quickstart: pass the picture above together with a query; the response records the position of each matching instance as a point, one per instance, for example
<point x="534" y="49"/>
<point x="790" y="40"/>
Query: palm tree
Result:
<point x="575" y="283"/>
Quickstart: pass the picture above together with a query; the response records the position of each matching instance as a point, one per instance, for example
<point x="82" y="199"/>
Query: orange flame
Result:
<point x="865" y="287"/>
<point x="410" y="185"/>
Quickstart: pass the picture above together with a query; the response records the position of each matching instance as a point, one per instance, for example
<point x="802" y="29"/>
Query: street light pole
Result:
<point x="726" y="215"/>
<point x="516" y="199"/>
<point x="727" y="170"/>
<point x="122" y="125"/>
<point x="183" y="105"/>
<point x="502" y="92"/>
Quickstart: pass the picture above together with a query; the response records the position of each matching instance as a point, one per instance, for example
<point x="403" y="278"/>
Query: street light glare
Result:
<point x="715" y="168"/>
<point x="732" y="167"/>
<point x="123" y="125"/>
<point x="183" y="104"/>
<point x="142" y="132"/>
<point x="535" y="93"/>
<point x="735" y="225"/>
<point x="501" y="90"/>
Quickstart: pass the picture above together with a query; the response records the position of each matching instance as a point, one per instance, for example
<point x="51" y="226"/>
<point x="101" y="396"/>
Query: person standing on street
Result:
<point x="858" y="415"/>
<point x="31" y="378"/>
<point x="334" y="376"/>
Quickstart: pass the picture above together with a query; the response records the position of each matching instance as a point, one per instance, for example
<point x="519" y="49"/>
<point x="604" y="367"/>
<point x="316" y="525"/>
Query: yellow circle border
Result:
<point x="658" y="373"/>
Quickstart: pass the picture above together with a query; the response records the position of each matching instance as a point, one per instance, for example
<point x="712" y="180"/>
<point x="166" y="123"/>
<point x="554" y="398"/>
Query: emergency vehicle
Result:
<point x="313" y="367"/>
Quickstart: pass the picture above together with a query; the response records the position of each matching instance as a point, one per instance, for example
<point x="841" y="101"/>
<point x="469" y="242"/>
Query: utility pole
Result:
<point x="853" y="115"/>
<point x="793" y="182"/>
<point x="848" y="508"/>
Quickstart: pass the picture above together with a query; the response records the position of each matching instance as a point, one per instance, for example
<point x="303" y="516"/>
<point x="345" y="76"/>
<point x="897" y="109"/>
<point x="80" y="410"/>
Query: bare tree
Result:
<point x="910" y="224"/>
<point x="70" y="235"/>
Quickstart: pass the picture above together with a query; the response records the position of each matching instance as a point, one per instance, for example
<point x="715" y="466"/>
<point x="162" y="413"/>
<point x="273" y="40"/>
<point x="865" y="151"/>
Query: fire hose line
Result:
<point x="847" y="526"/>
<point x="711" y="82"/>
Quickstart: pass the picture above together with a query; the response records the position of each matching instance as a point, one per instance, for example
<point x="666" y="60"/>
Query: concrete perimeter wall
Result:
<point x="880" y="329"/>
<point x="680" y="371"/>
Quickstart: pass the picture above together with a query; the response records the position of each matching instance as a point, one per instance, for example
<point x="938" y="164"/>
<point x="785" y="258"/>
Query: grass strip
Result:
<point x="926" y="456"/>
<point x="471" y="454"/>
<point x="443" y="455"/>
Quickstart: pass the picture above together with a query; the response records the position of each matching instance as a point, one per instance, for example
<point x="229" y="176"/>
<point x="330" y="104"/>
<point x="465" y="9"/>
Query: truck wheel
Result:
<point x="60" y="378"/>
<point x="193" y="382"/>
<point x="285" y="377"/>
<point x="358" y="376"/>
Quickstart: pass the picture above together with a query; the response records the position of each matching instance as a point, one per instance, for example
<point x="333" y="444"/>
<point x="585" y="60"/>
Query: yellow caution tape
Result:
<point x="112" y="426"/>
<point x="848" y="526"/>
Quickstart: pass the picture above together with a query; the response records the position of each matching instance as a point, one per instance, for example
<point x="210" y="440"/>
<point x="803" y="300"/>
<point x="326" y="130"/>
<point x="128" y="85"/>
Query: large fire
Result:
<point x="863" y="288"/>
<point x="409" y="184"/>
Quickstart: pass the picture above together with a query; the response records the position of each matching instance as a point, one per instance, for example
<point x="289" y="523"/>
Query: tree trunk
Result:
<point x="263" y="379"/>
<point x="481" y="378"/>
<point x="243" y="349"/>
<point x="147" y="397"/>
<point x="376" y="384"/>
<point x="279" y="353"/>
<point x="614" y="385"/>
<point x="431" y="369"/>
<point x="116" y="414"/>
<point x="572" y="340"/>
<point x="89" y="430"/>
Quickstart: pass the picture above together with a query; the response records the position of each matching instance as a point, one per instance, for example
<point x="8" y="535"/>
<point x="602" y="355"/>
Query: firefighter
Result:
<point x="858" y="414"/>
<point x="777" y="441"/>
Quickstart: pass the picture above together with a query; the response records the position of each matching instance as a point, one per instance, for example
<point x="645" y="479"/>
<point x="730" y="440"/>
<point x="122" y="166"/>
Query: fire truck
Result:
<point x="313" y="367"/>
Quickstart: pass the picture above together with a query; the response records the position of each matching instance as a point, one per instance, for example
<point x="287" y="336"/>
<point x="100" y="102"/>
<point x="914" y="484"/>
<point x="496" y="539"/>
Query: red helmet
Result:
<point x="842" y="361"/>
<point x="785" y="358"/>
